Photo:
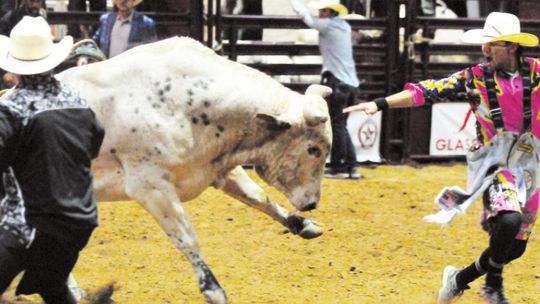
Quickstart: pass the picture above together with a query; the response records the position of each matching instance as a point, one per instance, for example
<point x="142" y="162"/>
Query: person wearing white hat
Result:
<point x="124" y="29"/>
<point x="48" y="138"/>
<point x="339" y="73"/>
<point x="504" y="164"/>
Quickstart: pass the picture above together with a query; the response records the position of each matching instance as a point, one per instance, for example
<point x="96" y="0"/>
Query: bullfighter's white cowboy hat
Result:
<point x="29" y="49"/>
<point x="500" y="27"/>
<point x="331" y="4"/>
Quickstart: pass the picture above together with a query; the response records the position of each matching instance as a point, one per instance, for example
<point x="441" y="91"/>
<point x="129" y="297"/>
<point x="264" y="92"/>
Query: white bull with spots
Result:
<point x="179" y="118"/>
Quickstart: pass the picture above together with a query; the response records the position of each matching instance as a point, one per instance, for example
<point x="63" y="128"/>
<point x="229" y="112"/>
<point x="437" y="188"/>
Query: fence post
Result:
<point x="392" y="83"/>
<point x="218" y="31"/>
<point x="196" y="26"/>
<point x="210" y="23"/>
<point x="233" y="40"/>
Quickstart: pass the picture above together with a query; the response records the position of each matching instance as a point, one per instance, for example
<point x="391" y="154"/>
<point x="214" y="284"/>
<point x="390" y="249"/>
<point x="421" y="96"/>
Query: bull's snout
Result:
<point x="309" y="207"/>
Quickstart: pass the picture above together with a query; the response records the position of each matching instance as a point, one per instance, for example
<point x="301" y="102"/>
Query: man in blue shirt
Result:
<point x="339" y="73"/>
<point x="124" y="29"/>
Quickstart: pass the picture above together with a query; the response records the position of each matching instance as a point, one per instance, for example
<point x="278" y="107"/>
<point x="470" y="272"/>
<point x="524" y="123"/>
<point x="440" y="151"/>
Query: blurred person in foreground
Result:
<point x="48" y="138"/>
<point x="339" y="73"/>
<point x="504" y="165"/>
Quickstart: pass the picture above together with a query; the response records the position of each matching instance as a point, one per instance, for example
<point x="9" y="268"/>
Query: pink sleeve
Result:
<point x="418" y="95"/>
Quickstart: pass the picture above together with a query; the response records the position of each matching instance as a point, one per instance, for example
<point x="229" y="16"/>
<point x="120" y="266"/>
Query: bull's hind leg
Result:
<point x="157" y="195"/>
<point x="240" y="186"/>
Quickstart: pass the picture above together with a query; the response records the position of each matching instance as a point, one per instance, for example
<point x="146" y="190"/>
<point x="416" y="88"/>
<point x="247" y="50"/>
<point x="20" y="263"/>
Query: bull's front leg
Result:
<point x="239" y="185"/>
<point x="150" y="187"/>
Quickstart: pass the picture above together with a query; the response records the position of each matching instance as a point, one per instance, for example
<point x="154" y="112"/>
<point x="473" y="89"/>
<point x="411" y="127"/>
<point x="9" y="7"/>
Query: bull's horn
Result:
<point x="320" y="90"/>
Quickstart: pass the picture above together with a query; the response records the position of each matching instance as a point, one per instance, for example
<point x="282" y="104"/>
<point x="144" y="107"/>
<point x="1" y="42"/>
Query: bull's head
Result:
<point x="296" y="163"/>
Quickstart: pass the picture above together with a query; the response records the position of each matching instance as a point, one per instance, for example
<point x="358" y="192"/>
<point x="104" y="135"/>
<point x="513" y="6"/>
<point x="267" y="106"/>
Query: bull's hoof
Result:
<point x="304" y="227"/>
<point x="216" y="296"/>
<point x="311" y="230"/>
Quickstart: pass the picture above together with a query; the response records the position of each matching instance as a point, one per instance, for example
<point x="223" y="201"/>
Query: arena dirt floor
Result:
<point x="375" y="248"/>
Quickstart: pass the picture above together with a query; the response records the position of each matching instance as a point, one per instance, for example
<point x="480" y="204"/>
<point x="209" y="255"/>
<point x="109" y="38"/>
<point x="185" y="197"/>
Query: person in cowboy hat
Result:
<point x="48" y="138"/>
<point x="126" y="28"/>
<point x="339" y="73"/>
<point x="503" y="165"/>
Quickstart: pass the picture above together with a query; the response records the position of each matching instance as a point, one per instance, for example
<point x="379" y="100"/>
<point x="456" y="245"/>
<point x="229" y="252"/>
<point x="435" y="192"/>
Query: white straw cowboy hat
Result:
<point x="500" y="27"/>
<point x="331" y="4"/>
<point x="29" y="49"/>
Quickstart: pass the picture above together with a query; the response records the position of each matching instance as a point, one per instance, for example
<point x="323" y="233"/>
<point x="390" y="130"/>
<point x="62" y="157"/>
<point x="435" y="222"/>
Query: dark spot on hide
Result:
<point x="220" y="128"/>
<point x="136" y="110"/>
<point x="194" y="120"/>
<point x="156" y="126"/>
<point x="118" y="172"/>
<point x="218" y="135"/>
<point x="155" y="106"/>
<point x="206" y="103"/>
<point x="190" y="102"/>
<point x="190" y="92"/>
<point x="167" y="87"/>
<point x="315" y="151"/>
<point x="166" y="176"/>
<point x="113" y="151"/>
<point x="160" y="93"/>
<point x="156" y="83"/>
<point x="162" y="99"/>
<point x="133" y="130"/>
<point x="205" y="119"/>
<point x="168" y="79"/>
<point x="158" y="151"/>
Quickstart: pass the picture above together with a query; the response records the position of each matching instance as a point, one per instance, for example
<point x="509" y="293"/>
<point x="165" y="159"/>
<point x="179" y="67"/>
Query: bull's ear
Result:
<point x="273" y="122"/>
<point x="320" y="90"/>
<point x="314" y="116"/>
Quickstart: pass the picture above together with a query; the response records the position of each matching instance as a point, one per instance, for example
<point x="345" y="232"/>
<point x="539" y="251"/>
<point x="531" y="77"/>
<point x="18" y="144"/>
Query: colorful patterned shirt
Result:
<point x="469" y="85"/>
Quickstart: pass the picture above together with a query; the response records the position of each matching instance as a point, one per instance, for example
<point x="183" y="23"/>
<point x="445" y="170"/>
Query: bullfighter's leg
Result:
<point x="240" y="186"/>
<point x="152" y="189"/>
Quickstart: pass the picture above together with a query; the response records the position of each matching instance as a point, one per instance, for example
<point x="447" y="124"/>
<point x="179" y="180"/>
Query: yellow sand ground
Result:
<point x="375" y="249"/>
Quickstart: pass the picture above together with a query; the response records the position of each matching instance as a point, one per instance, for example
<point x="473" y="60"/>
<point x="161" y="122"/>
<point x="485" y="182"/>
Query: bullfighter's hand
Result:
<point x="367" y="107"/>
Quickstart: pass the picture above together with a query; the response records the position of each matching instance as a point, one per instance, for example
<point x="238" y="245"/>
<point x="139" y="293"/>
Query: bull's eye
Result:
<point x="315" y="151"/>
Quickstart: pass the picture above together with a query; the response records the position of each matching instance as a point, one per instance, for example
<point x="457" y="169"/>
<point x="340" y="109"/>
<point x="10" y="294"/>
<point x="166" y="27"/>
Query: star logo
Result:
<point x="367" y="134"/>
